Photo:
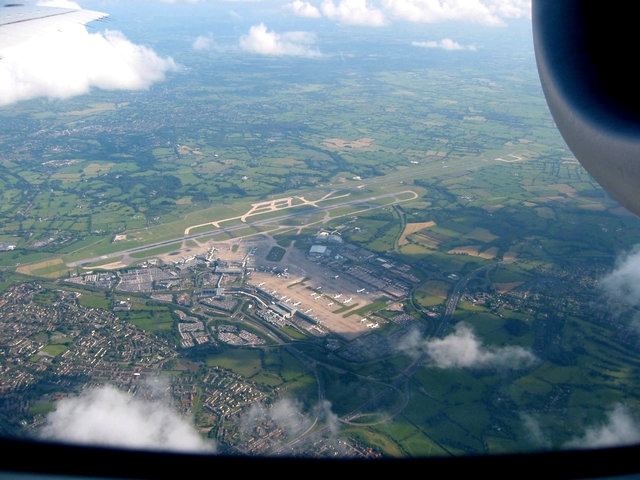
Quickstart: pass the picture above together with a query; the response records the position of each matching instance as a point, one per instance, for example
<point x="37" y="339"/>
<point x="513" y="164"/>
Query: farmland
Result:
<point x="445" y="198"/>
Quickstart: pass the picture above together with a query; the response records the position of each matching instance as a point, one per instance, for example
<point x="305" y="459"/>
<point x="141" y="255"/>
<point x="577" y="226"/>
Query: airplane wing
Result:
<point x="19" y="22"/>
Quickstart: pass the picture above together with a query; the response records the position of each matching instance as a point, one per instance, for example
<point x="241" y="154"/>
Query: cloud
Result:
<point x="106" y="416"/>
<point x="381" y="12"/>
<point x="621" y="287"/>
<point x="284" y="414"/>
<point x="287" y="416"/>
<point x="623" y="283"/>
<point x="444" y="44"/>
<point x="463" y="349"/>
<point x="488" y="12"/>
<point x="62" y="64"/>
<point x="203" y="43"/>
<point x="353" y="12"/>
<point x="325" y="414"/>
<point x="534" y="429"/>
<point x="620" y="428"/>
<point x="260" y="40"/>
<point x="182" y="1"/>
<point x="303" y="9"/>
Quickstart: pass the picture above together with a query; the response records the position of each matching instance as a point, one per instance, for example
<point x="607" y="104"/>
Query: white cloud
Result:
<point x="353" y="12"/>
<point x="106" y="416"/>
<point x="303" y="9"/>
<point x="463" y="349"/>
<point x="202" y="43"/>
<point x="444" y="44"/>
<point x="534" y="429"/>
<point x="620" y="428"/>
<point x="260" y="40"/>
<point x="325" y="414"/>
<point x="621" y="286"/>
<point x="285" y="414"/>
<point x="182" y="1"/>
<point x="623" y="283"/>
<point x="510" y="8"/>
<point x="489" y="12"/>
<point x="381" y="12"/>
<point x="72" y="62"/>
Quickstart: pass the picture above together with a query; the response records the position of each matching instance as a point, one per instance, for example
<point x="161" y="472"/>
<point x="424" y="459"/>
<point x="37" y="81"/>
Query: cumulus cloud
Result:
<point x="381" y="12"/>
<point x="535" y="431"/>
<point x="203" y="42"/>
<point x="444" y="44"/>
<point x="62" y="64"/>
<point x="623" y="283"/>
<point x="326" y="415"/>
<point x="106" y="416"/>
<point x="489" y="12"/>
<point x="182" y="1"/>
<point x="353" y="12"/>
<point x="284" y="414"/>
<point x="303" y="9"/>
<point x="287" y="415"/>
<point x="621" y="286"/>
<point x="261" y="40"/>
<point x="620" y="428"/>
<point x="463" y="349"/>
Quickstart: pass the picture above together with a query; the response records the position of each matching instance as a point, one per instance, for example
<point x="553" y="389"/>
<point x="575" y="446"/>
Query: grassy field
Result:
<point x="445" y="170"/>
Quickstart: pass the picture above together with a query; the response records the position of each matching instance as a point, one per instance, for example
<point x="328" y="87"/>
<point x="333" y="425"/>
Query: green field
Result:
<point x="448" y="174"/>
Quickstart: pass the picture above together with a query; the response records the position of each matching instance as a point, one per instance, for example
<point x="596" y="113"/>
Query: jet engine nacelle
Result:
<point x="587" y="61"/>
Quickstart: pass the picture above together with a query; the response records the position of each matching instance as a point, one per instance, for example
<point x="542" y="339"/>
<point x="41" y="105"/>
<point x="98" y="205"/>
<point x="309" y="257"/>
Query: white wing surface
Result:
<point x="19" y="22"/>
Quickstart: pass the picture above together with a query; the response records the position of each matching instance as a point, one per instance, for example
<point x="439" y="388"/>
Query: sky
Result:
<point x="60" y="65"/>
<point x="73" y="62"/>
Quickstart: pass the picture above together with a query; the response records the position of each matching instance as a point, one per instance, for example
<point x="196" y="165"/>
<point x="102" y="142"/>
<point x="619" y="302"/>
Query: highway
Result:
<point x="454" y="298"/>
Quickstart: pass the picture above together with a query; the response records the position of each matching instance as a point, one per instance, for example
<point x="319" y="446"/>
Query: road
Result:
<point x="454" y="298"/>
<point x="446" y="166"/>
<point x="279" y="220"/>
